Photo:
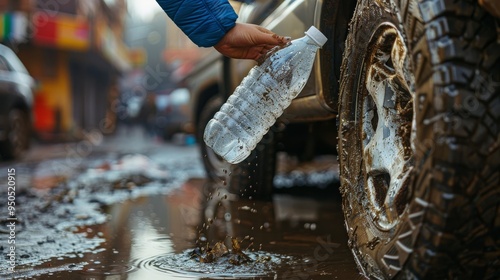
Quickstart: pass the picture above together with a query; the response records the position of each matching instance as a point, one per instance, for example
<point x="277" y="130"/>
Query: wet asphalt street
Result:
<point x="131" y="207"/>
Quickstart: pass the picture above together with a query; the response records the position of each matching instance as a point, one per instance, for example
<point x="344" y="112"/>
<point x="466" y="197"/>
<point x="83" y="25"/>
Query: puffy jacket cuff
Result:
<point x="205" y="22"/>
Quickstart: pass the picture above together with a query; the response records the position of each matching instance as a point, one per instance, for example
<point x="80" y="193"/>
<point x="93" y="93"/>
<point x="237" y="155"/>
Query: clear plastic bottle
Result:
<point x="261" y="98"/>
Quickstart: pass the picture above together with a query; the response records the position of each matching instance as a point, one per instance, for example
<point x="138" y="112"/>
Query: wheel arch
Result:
<point x="335" y="18"/>
<point x="9" y="101"/>
<point x="12" y="100"/>
<point x="209" y="90"/>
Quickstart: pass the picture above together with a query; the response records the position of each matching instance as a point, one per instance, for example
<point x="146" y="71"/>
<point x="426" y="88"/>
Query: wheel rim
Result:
<point x="386" y="121"/>
<point x="18" y="131"/>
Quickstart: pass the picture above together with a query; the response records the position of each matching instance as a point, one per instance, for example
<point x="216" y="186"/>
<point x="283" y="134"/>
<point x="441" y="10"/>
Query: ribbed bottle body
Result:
<point x="260" y="100"/>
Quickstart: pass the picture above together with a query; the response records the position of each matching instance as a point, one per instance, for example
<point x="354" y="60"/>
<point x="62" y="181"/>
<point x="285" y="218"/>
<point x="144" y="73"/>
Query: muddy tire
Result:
<point x="419" y="140"/>
<point x="252" y="177"/>
<point x="18" y="134"/>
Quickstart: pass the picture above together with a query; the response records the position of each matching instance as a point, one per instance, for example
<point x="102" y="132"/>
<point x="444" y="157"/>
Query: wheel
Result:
<point x="17" y="134"/>
<point x="419" y="151"/>
<point x="253" y="176"/>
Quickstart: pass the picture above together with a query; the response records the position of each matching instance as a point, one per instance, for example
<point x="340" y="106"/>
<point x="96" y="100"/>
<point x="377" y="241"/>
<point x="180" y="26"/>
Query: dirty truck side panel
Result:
<point x="203" y="84"/>
<point x="290" y="18"/>
<point x="318" y="100"/>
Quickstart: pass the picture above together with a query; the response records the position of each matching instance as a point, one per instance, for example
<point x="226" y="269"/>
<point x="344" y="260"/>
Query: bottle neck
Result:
<point x="312" y="40"/>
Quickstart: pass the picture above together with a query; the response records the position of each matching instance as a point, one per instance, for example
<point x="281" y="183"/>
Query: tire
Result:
<point x="18" y="134"/>
<point x="419" y="140"/>
<point x="254" y="176"/>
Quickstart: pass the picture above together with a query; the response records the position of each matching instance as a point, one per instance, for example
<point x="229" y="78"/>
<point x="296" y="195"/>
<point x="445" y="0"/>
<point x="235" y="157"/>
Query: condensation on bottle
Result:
<point x="261" y="98"/>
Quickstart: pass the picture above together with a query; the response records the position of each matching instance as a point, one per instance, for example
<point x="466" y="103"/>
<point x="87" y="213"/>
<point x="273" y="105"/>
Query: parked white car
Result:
<point x="16" y="102"/>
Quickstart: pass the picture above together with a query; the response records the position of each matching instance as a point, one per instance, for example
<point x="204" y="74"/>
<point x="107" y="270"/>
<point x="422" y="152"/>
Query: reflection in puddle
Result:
<point x="151" y="237"/>
<point x="97" y="269"/>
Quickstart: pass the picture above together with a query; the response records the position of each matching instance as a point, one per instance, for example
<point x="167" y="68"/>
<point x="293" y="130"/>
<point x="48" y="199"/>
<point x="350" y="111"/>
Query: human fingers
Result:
<point x="278" y="38"/>
<point x="265" y="48"/>
<point x="263" y="29"/>
<point x="267" y="37"/>
<point x="260" y="53"/>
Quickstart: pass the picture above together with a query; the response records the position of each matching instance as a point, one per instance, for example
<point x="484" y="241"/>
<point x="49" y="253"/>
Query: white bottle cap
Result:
<point x="316" y="36"/>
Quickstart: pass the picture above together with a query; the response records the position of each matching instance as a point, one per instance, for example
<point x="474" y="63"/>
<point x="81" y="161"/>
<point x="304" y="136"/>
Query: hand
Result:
<point x="249" y="41"/>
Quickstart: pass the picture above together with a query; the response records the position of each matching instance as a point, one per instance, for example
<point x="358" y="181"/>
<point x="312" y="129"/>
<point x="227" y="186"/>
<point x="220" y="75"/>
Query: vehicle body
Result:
<point x="16" y="101"/>
<point x="173" y="112"/>
<point x="215" y="78"/>
<point x="407" y="94"/>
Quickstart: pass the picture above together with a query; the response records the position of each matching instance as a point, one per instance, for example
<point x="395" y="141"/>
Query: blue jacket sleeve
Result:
<point x="205" y="22"/>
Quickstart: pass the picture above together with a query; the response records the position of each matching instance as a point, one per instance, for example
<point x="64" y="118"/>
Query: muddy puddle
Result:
<point x="111" y="223"/>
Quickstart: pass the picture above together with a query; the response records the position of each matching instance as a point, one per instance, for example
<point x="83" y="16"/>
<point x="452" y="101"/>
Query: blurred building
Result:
<point x="180" y="52"/>
<point x="160" y="55"/>
<point x="157" y="40"/>
<point x="75" y="50"/>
